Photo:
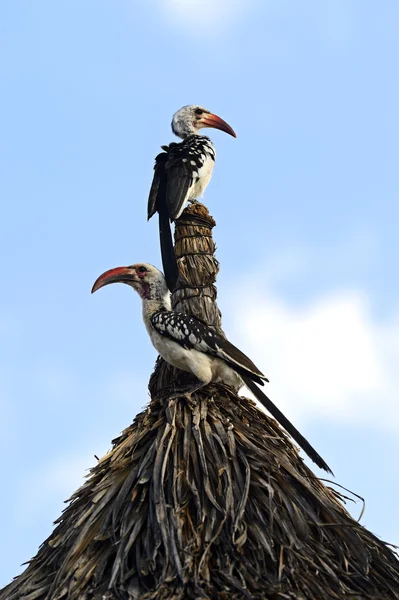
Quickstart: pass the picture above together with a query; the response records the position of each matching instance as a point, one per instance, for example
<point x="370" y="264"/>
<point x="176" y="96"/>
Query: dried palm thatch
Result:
<point x="205" y="499"/>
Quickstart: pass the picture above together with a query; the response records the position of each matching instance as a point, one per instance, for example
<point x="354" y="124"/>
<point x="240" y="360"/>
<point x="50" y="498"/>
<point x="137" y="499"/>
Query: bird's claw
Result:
<point x="180" y="395"/>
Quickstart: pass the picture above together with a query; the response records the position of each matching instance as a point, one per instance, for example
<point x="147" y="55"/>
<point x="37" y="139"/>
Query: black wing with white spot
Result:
<point x="180" y="164"/>
<point x="180" y="176"/>
<point x="191" y="333"/>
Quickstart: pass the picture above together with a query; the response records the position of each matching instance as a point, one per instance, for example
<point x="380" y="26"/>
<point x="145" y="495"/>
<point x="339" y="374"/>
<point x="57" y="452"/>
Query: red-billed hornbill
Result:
<point x="182" y="173"/>
<point x="189" y="344"/>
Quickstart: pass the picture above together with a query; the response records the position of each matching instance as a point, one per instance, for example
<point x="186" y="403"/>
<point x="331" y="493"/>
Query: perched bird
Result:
<point x="181" y="173"/>
<point x="189" y="344"/>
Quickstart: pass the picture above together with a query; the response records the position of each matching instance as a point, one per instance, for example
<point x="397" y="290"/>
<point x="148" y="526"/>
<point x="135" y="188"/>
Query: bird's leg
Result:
<point x="192" y="200"/>
<point x="187" y="391"/>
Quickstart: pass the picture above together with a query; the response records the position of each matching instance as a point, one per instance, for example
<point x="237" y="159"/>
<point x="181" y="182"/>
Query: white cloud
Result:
<point x="332" y="18"/>
<point x="205" y="16"/>
<point x="329" y="358"/>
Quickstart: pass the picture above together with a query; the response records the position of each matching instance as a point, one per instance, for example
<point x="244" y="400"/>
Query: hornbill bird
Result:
<point x="182" y="173"/>
<point x="189" y="344"/>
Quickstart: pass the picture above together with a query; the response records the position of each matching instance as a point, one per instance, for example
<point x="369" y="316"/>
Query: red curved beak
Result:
<point x="118" y="275"/>
<point x="210" y="120"/>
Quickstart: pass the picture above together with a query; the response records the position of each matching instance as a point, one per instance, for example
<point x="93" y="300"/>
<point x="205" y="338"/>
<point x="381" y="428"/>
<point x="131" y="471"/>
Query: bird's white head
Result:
<point x="189" y="119"/>
<point x="146" y="279"/>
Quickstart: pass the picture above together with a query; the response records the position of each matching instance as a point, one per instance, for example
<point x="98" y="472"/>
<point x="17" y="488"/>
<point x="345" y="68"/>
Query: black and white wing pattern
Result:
<point x="180" y="177"/>
<point x="182" y="164"/>
<point x="191" y="333"/>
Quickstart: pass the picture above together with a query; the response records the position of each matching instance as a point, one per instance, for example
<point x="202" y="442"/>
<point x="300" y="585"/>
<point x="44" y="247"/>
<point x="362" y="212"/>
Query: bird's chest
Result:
<point x="170" y="351"/>
<point x="202" y="176"/>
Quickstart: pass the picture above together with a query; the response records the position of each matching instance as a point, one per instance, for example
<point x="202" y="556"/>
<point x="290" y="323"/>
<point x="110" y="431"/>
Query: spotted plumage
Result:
<point x="187" y="168"/>
<point x="189" y="344"/>
<point x="192" y="334"/>
<point x="181" y="174"/>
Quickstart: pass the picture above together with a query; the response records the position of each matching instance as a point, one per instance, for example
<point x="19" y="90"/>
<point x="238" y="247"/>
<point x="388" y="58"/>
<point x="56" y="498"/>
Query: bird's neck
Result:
<point x="150" y="307"/>
<point x="183" y="129"/>
<point x="158" y="298"/>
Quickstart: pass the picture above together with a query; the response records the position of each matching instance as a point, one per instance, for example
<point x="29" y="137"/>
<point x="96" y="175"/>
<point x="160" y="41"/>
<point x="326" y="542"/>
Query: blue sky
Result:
<point x="306" y="201"/>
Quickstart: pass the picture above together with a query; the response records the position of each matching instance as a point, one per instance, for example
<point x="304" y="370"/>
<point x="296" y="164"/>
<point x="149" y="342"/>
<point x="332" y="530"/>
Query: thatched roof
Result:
<point x="205" y="499"/>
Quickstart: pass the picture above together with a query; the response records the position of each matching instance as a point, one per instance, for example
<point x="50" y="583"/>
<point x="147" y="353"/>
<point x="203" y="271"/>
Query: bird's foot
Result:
<point x="193" y="200"/>
<point x="186" y="392"/>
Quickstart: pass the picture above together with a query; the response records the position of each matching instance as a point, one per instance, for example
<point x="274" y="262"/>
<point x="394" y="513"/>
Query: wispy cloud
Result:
<point x="328" y="358"/>
<point x="332" y="18"/>
<point x="205" y="17"/>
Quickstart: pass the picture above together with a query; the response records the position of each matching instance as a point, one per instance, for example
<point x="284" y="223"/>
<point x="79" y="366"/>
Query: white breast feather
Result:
<point x="204" y="175"/>
<point x="206" y="368"/>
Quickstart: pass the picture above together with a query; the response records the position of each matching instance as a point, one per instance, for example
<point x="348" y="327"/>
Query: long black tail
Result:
<point x="288" y="426"/>
<point x="157" y="202"/>
<point x="169" y="262"/>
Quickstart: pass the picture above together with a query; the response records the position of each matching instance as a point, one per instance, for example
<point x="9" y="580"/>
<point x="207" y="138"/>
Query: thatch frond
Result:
<point x="205" y="499"/>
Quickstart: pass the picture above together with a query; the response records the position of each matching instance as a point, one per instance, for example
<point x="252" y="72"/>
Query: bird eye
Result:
<point x="141" y="269"/>
<point x="198" y="111"/>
